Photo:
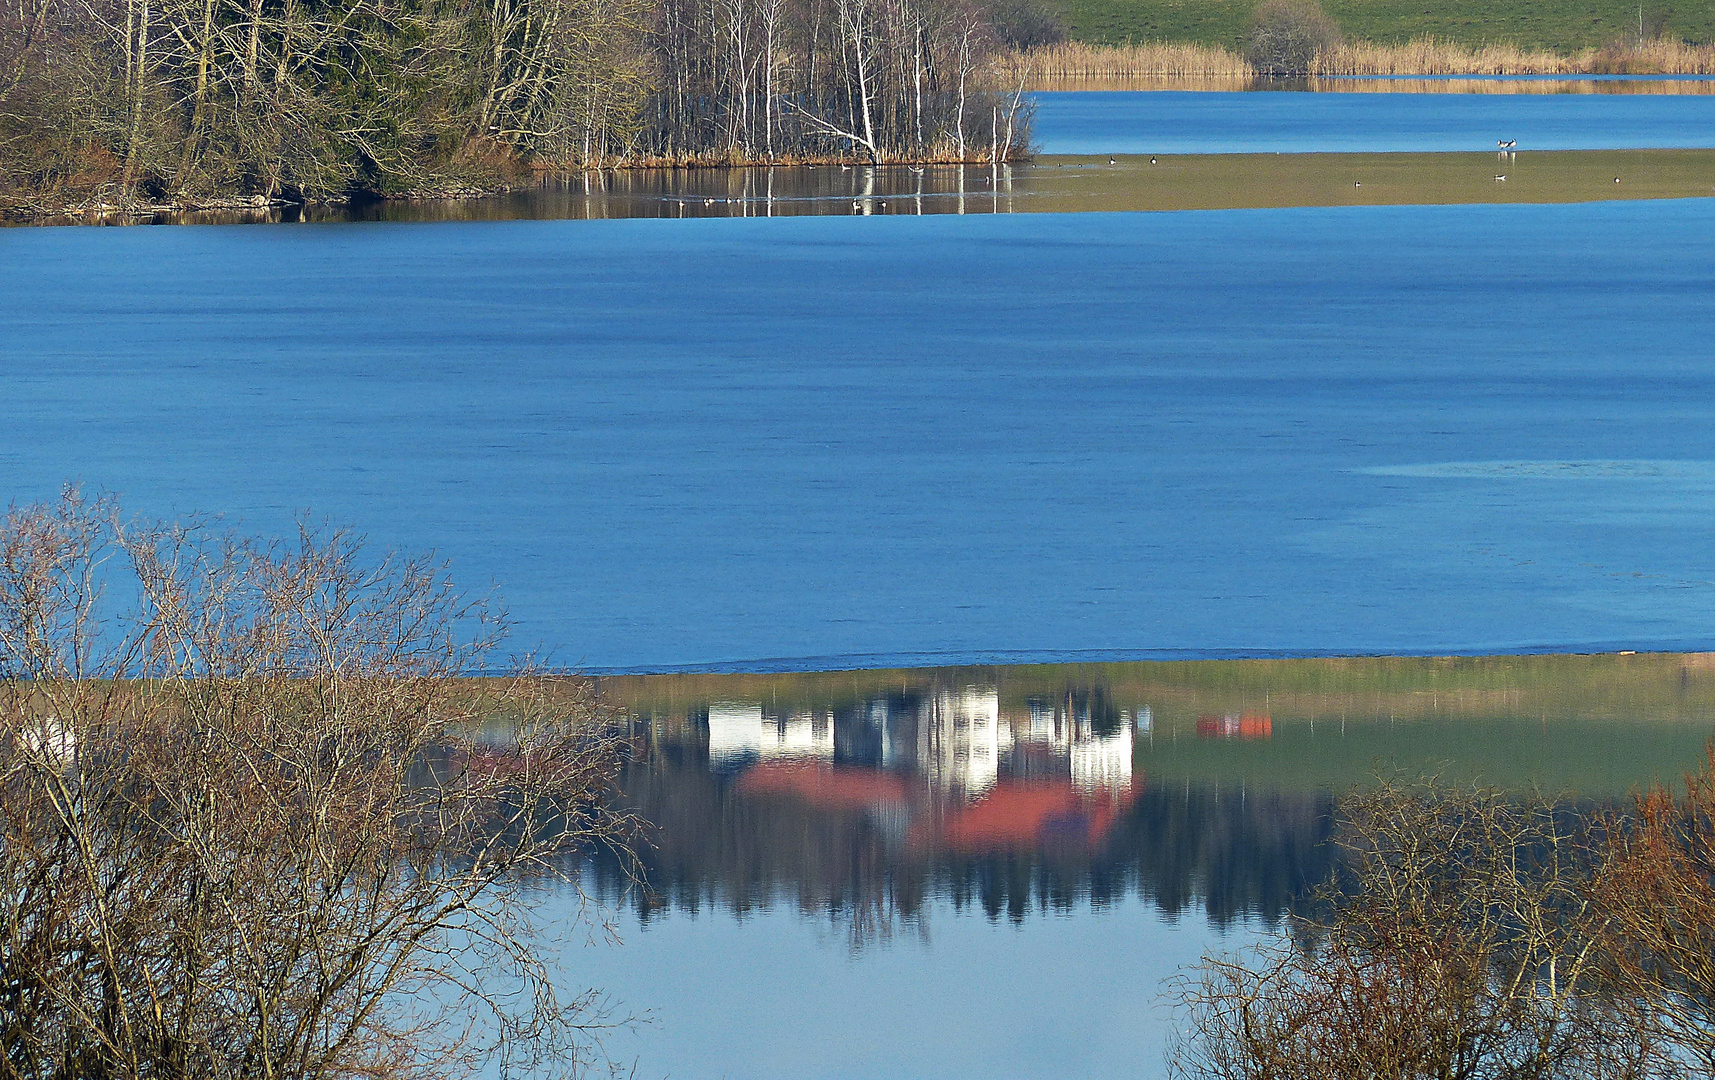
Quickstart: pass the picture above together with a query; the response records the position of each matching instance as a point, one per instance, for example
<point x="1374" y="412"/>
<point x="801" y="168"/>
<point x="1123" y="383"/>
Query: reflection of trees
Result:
<point x="1481" y="934"/>
<point x="1236" y="852"/>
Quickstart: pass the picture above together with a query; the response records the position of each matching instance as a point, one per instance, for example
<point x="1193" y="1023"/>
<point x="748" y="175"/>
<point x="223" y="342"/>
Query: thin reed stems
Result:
<point x="1074" y="65"/>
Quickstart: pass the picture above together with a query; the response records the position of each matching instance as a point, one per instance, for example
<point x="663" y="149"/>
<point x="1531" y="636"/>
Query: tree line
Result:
<point x="186" y="100"/>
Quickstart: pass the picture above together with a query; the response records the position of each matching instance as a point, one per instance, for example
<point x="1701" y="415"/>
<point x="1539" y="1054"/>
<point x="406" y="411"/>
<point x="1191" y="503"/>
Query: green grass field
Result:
<point x="1561" y="25"/>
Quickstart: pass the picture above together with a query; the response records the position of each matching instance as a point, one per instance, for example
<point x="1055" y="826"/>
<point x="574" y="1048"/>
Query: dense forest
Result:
<point x="116" y="102"/>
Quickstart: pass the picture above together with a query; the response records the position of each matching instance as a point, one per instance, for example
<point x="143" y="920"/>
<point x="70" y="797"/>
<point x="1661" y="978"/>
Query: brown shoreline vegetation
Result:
<point x="1477" y="934"/>
<point x="1064" y="66"/>
<point x="195" y="104"/>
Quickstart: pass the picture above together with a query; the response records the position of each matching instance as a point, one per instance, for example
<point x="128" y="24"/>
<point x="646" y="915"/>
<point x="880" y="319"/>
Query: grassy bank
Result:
<point x="1073" y="64"/>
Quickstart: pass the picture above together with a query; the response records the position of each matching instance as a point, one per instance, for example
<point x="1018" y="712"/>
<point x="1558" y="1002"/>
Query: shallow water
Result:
<point x="1052" y="185"/>
<point x="834" y="442"/>
<point x="1186" y="122"/>
<point x="992" y="872"/>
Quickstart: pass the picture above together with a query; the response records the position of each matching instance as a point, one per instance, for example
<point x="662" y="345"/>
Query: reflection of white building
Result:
<point x="735" y="732"/>
<point x="741" y="732"/>
<point x="1065" y="734"/>
<point x="1102" y="762"/>
<point x="959" y="737"/>
<point x="799" y="735"/>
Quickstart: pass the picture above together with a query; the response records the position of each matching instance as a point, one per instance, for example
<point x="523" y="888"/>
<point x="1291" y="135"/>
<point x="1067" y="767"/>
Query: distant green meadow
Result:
<point x="1561" y="25"/>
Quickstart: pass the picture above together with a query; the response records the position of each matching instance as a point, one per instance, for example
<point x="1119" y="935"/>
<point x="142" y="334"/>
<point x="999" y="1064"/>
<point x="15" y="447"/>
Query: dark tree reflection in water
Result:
<point x="865" y="813"/>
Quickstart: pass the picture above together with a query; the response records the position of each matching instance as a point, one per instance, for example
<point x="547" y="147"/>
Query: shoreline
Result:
<point x="29" y="209"/>
<point x="1701" y="656"/>
<point x="1422" y="57"/>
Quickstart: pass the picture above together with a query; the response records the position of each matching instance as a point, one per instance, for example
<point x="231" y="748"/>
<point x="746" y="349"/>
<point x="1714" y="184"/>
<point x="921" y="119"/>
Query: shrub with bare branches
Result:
<point x="1286" y="36"/>
<point x="1463" y="943"/>
<point x="255" y="821"/>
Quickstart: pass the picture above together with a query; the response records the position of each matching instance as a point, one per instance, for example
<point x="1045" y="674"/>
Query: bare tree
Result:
<point x="1286" y="36"/>
<point x="1462" y="946"/>
<point x="1657" y="886"/>
<point x="257" y="822"/>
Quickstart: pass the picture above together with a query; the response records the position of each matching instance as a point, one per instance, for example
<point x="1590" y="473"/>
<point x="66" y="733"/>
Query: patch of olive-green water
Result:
<point x="1049" y="184"/>
<point x="1599" y="725"/>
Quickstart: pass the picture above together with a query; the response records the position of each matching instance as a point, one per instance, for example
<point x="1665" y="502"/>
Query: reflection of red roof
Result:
<point x="1017" y="813"/>
<point x="822" y="785"/>
<point x="1248" y="726"/>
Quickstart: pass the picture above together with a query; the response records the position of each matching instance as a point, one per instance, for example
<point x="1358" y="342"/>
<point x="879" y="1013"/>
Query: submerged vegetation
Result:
<point x="117" y="103"/>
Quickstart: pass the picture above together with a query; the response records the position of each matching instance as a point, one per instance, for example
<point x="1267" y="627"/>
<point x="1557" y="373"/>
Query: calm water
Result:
<point x="989" y="872"/>
<point x="1052" y="184"/>
<point x="834" y="442"/>
<point x="1186" y="122"/>
<point x="869" y="439"/>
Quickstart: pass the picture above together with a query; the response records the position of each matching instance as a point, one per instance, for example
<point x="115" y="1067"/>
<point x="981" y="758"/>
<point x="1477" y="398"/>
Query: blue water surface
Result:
<point x="1206" y="122"/>
<point x="852" y="441"/>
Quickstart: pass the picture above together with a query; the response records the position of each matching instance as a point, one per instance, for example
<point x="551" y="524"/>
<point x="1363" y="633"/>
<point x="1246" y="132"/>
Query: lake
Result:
<point x="990" y="872"/>
<point x="832" y="442"/>
<point x="1193" y="122"/>
<point x="915" y="507"/>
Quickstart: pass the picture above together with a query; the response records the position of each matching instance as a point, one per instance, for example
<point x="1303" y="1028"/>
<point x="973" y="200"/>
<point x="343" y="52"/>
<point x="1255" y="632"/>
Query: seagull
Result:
<point x="1506" y="144"/>
<point x="1500" y="176"/>
<point x="708" y="202"/>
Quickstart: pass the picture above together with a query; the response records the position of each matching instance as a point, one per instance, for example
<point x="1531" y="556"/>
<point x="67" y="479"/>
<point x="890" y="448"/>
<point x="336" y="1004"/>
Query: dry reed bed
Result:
<point x="1075" y="60"/>
<point x="1064" y="66"/>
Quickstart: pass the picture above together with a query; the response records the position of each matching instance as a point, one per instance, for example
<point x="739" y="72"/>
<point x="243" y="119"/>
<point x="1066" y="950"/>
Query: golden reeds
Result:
<point x="1075" y="60"/>
<point x="1430" y="56"/>
<point x="1075" y="65"/>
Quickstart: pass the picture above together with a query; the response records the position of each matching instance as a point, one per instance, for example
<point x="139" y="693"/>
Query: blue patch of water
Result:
<point x="1202" y="122"/>
<point x="858" y="440"/>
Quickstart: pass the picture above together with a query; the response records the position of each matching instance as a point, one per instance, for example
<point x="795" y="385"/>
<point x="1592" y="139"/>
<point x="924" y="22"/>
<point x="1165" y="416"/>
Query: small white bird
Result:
<point x="1506" y="144"/>
<point x="1357" y="183"/>
<point x="1111" y="161"/>
<point x="1152" y="161"/>
<point x="1616" y="179"/>
<point x="1500" y="176"/>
